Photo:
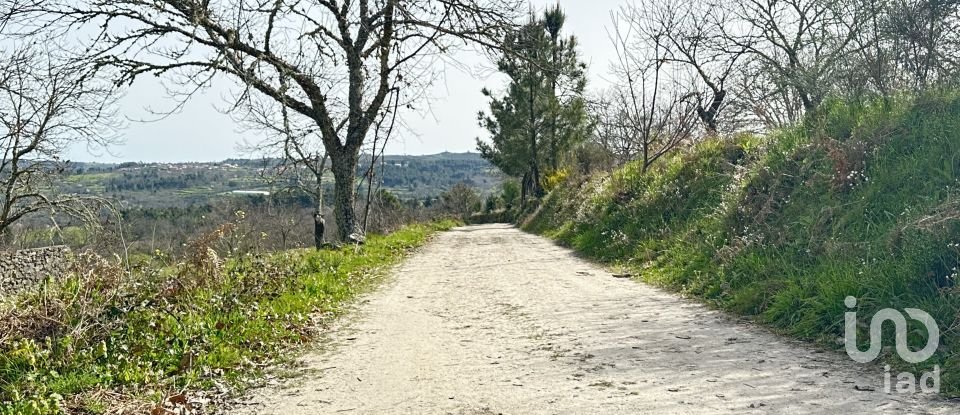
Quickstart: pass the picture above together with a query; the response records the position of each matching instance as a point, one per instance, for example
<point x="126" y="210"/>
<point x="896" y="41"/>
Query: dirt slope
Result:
<point x="489" y="320"/>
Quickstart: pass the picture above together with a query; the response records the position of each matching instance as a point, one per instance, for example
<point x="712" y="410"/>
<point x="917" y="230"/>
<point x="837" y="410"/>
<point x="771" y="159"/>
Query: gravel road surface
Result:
<point x="490" y="320"/>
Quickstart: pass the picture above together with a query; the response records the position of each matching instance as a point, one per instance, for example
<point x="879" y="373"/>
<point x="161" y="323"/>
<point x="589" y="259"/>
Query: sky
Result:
<point x="447" y="121"/>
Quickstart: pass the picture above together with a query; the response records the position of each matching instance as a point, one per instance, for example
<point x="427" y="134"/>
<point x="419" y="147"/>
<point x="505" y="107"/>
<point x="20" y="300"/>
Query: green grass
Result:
<point x="91" y="182"/>
<point x="101" y="338"/>
<point x="861" y="200"/>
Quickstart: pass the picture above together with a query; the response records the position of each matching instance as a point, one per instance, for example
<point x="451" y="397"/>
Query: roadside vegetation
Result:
<point x="769" y="157"/>
<point x="861" y="200"/>
<point x="158" y="338"/>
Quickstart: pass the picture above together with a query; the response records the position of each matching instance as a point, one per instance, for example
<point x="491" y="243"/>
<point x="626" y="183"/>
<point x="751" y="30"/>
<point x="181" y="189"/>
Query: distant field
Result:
<point x="154" y="185"/>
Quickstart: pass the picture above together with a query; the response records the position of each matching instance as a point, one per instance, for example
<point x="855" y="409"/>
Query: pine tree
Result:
<point x="543" y="114"/>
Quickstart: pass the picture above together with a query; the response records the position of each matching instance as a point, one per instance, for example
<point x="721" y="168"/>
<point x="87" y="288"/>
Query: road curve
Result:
<point x="490" y="320"/>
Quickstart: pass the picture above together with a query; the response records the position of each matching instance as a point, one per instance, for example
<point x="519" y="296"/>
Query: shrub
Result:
<point x="552" y="180"/>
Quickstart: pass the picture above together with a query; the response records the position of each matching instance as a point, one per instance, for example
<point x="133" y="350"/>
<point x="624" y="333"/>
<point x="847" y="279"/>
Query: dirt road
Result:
<point x="489" y="320"/>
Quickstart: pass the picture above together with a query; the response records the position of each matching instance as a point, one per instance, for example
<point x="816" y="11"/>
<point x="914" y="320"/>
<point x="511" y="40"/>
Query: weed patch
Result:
<point x="105" y="338"/>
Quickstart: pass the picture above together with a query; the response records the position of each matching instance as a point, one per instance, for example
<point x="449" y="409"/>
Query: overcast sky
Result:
<point x="201" y="133"/>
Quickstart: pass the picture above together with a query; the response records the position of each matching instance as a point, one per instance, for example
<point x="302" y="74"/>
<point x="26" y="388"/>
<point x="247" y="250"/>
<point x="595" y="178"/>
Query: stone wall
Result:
<point x="28" y="268"/>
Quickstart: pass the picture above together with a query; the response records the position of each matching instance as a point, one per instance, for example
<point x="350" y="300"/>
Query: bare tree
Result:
<point x="760" y="102"/>
<point x="383" y="131"/>
<point x="294" y="158"/>
<point x="302" y="163"/>
<point x="330" y="63"/>
<point x="797" y="52"/>
<point x="799" y="44"/>
<point x="922" y="35"/>
<point x="613" y="131"/>
<point x="650" y="103"/>
<point x="46" y="106"/>
<point x="691" y="32"/>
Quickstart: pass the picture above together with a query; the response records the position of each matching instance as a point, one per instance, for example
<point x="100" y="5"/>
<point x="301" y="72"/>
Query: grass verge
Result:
<point x="104" y="340"/>
<point x="862" y="200"/>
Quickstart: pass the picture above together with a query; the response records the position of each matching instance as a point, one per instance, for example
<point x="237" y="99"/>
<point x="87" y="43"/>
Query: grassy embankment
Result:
<point x="864" y="202"/>
<point x="100" y="340"/>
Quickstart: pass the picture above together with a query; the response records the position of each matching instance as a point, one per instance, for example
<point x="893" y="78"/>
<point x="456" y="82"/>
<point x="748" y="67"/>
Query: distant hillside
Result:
<point x="428" y="176"/>
<point x="184" y="184"/>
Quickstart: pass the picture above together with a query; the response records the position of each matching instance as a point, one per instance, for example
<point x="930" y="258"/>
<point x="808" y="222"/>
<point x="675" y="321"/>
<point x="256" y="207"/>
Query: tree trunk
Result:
<point x="534" y="151"/>
<point x="535" y="189"/>
<point x="344" y="173"/>
<point x="319" y="225"/>
<point x="318" y="230"/>
<point x="709" y="115"/>
<point x="524" y="188"/>
<point x="554" y="74"/>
